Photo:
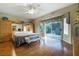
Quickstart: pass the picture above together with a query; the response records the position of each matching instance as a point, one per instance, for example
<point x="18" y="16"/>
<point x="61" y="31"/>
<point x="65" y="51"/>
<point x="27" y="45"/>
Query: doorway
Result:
<point x="53" y="29"/>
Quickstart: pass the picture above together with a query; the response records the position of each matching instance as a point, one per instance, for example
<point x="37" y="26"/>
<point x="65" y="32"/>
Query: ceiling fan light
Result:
<point x="31" y="11"/>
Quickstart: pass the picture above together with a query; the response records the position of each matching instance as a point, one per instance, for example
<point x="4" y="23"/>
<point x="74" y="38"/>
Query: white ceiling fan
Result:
<point x="31" y="8"/>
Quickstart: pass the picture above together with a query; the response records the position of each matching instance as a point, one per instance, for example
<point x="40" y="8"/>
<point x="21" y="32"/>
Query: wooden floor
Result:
<point x="6" y="48"/>
<point x="47" y="47"/>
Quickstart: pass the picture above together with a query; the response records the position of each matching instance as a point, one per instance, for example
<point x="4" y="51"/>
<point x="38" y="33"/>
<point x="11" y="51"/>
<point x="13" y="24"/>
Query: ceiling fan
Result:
<point x="30" y="8"/>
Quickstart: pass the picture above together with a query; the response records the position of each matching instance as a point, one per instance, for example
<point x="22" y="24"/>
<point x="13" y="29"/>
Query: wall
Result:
<point x="11" y="17"/>
<point x="72" y="9"/>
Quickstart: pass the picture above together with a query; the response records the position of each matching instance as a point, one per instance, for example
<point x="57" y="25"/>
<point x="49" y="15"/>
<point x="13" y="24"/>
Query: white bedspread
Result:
<point x="24" y="33"/>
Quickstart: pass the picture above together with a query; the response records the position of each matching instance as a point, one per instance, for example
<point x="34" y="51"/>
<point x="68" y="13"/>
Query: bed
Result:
<point x="25" y="37"/>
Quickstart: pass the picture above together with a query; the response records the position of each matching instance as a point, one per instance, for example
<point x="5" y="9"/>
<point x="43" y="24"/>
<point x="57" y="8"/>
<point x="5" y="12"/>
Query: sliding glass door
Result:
<point x="52" y="28"/>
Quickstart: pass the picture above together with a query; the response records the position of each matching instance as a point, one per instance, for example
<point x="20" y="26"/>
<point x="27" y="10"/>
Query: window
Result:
<point x="65" y="27"/>
<point x="25" y="28"/>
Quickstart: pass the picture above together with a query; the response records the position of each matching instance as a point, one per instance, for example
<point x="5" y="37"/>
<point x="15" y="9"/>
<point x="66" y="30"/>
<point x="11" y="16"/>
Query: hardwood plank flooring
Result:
<point x="45" y="47"/>
<point x="6" y="48"/>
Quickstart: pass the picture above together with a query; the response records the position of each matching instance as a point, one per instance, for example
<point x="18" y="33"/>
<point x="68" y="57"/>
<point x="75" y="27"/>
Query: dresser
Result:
<point x="5" y="30"/>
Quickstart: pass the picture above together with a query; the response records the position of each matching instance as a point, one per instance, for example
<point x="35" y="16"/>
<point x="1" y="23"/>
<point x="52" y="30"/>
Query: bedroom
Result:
<point x="38" y="29"/>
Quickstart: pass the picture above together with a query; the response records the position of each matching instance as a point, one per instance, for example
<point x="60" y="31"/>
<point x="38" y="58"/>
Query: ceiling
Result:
<point x="18" y="9"/>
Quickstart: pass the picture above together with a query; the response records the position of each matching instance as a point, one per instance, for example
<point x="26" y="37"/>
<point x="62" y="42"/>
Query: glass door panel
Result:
<point x="53" y="30"/>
